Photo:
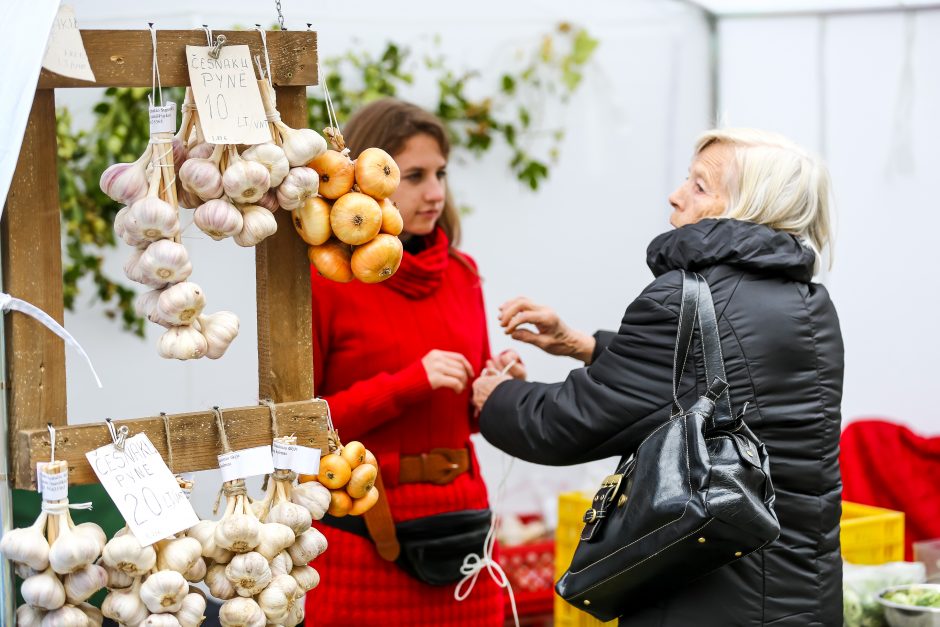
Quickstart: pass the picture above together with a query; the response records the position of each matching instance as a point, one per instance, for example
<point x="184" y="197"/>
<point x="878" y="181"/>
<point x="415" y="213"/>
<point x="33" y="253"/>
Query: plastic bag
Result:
<point x="861" y="585"/>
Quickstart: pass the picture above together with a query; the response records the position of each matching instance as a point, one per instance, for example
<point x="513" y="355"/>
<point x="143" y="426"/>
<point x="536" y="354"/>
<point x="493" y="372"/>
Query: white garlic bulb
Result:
<point x="306" y="577"/>
<point x="126" y="182"/>
<point x="250" y="573"/>
<point x="23" y="571"/>
<point x="151" y="219"/>
<point x="218" y="219"/>
<point x="27" y="545"/>
<point x="277" y="600"/>
<point x="201" y="177"/>
<point x="309" y="545"/>
<point x="219" y="329"/>
<point x="202" y="150"/>
<point x="182" y="343"/>
<point x="95" y="617"/>
<point x="95" y="531"/>
<point x="238" y="532"/>
<point x="272" y="157"/>
<point x="241" y="612"/>
<point x="124" y="553"/>
<point x="301" y="145"/>
<point x="294" y="516"/>
<point x="117" y="579"/>
<point x="300" y="184"/>
<point x="65" y="616"/>
<point x="125" y="606"/>
<point x="44" y="591"/>
<point x="282" y="564"/>
<point x="119" y="218"/>
<point x="313" y="496"/>
<point x="180" y="304"/>
<point x="84" y="582"/>
<point x="296" y="615"/>
<point x="258" y="225"/>
<point x="72" y="551"/>
<point x="204" y="531"/>
<point x="163" y="591"/>
<point x="198" y="571"/>
<point x="164" y="261"/>
<point x="275" y="538"/>
<point x="193" y="610"/>
<point x="132" y="267"/>
<point x="161" y="620"/>
<point x="27" y="616"/>
<point x="269" y="200"/>
<point x="245" y="181"/>
<point x="219" y="585"/>
<point x="146" y="307"/>
<point x="179" y="554"/>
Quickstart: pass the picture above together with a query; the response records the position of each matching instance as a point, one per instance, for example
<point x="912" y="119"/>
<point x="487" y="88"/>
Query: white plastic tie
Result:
<point x="60" y="508"/>
<point x="8" y="303"/>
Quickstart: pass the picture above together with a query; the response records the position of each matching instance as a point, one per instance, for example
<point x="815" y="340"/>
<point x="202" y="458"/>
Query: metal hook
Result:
<point x="117" y="436"/>
<point x="51" y="441"/>
<point x="217" y="48"/>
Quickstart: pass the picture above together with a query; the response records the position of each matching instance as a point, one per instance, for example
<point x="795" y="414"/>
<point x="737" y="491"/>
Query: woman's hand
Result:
<point x="554" y="336"/>
<point x="446" y="369"/>
<point x="484" y="386"/>
<point x="507" y="359"/>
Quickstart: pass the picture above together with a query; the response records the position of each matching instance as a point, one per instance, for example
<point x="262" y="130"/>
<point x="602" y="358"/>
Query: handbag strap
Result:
<point x="695" y="288"/>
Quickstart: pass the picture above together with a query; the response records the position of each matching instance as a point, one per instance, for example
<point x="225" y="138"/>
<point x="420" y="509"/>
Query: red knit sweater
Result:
<point x="368" y="342"/>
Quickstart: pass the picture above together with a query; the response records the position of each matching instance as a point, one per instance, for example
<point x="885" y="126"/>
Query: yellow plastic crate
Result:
<point x="571" y="508"/>
<point x="871" y="535"/>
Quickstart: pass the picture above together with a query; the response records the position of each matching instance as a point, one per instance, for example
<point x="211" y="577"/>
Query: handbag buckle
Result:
<point x="613" y="482"/>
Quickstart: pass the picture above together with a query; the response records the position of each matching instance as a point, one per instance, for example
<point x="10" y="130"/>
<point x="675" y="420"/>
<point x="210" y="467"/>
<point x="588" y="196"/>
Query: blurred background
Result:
<point x="857" y="81"/>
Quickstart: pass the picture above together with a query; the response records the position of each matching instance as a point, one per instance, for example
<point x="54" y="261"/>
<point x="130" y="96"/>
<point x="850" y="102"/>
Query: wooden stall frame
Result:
<point x="32" y="270"/>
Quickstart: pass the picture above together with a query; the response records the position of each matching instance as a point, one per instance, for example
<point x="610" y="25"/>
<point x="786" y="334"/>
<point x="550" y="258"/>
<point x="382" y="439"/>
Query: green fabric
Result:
<point x="27" y="504"/>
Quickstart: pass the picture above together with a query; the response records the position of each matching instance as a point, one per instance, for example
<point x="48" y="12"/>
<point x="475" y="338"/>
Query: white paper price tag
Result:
<point x="53" y="487"/>
<point x="143" y="488"/>
<point x="227" y="96"/>
<point x="246" y="463"/>
<point x="298" y="458"/>
<point x="65" y="52"/>
<point x="163" y="119"/>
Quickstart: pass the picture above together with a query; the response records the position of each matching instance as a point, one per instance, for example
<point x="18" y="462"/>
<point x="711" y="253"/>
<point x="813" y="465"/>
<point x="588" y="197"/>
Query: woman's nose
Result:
<point x="434" y="190"/>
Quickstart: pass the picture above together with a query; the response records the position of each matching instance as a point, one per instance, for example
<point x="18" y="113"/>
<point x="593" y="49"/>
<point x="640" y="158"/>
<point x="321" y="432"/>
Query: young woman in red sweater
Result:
<point x="395" y="362"/>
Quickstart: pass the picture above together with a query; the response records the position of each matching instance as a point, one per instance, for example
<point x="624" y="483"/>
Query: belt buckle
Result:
<point x="450" y="470"/>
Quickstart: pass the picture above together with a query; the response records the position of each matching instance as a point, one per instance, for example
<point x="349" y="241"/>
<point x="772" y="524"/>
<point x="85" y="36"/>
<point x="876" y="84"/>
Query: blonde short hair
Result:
<point x="775" y="182"/>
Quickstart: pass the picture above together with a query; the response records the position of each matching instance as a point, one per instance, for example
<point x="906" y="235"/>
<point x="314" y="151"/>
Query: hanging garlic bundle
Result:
<point x="150" y="585"/>
<point x="56" y="559"/>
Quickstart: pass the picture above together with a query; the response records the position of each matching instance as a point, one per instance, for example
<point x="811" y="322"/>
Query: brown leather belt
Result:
<point x="440" y="466"/>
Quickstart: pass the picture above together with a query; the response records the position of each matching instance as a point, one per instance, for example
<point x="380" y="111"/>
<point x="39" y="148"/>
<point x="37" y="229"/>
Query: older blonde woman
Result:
<point x="753" y="218"/>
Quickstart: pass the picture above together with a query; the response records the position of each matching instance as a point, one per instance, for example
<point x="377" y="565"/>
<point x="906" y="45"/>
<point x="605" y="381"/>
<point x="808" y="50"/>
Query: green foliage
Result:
<point x="510" y="114"/>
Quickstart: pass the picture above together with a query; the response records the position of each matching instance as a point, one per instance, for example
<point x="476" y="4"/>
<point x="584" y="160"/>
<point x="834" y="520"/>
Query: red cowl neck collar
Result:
<point x="421" y="273"/>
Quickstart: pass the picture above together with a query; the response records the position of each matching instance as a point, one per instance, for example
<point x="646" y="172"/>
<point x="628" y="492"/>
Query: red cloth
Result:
<point x="888" y="465"/>
<point x="368" y="342"/>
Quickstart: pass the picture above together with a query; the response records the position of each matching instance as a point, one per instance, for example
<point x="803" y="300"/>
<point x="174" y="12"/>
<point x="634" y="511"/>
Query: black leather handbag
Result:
<point x="694" y="496"/>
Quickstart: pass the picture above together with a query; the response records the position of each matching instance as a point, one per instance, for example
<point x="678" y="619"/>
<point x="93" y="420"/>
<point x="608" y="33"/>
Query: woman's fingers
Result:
<point x="536" y="339"/>
<point x="452" y="383"/>
<point x="541" y="318"/>
<point x="512" y="307"/>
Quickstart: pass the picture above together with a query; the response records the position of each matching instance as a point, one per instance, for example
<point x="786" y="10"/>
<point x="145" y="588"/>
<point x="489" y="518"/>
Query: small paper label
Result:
<point x="227" y="96"/>
<point x="143" y="488"/>
<point x="65" y="52"/>
<point x="246" y="463"/>
<point x="298" y="458"/>
<point x="163" y="119"/>
<point x="53" y="487"/>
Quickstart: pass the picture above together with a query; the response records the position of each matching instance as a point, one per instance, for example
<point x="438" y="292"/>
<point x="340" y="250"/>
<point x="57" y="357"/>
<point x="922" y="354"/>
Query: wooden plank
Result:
<point x="32" y="270"/>
<point x="122" y="58"/>
<point x="194" y="438"/>
<point x="282" y="283"/>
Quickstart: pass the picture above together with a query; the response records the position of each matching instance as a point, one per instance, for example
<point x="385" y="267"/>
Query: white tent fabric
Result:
<point x="24" y="29"/>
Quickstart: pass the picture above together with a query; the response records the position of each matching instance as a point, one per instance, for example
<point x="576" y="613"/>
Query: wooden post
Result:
<point x="282" y="282"/>
<point x="32" y="271"/>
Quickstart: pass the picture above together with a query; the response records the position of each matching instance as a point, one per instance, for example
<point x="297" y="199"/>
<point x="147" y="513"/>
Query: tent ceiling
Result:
<point x="782" y="7"/>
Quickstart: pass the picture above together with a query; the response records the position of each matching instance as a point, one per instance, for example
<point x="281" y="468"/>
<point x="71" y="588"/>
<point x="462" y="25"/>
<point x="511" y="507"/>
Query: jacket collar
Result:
<point x="753" y="247"/>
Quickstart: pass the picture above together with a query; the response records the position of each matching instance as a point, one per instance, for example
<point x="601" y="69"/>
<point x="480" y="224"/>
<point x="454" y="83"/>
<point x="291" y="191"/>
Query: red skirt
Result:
<point x="357" y="587"/>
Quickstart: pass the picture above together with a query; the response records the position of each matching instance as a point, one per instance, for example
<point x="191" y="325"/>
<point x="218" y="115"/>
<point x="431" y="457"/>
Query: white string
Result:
<point x="62" y="507"/>
<point x="8" y="303"/>
<point x="51" y="442"/>
<point x="155" y="83"/>
<point x="473" y="564"/>
<point x="208" y="32"/>
<point x="267" y="59"/>
<point x="157" y="161"/>
<point x="117" y="435"/>
<point x="330" y="113"/>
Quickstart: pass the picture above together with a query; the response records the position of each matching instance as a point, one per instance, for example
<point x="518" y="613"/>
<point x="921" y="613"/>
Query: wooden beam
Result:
<point x="122" y="58"/>
<point x="32" y="271"/>
<point x="194" y="438"/>
<point x="282" y="283"/>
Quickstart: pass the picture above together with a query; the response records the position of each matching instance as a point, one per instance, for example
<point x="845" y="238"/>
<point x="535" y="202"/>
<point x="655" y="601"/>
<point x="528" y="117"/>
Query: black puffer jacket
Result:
<point x="784" y="357"/>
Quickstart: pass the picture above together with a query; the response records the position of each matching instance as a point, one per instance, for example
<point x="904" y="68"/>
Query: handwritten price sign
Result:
<point x="143" y="488"/>
<point x="227" y="96"/>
